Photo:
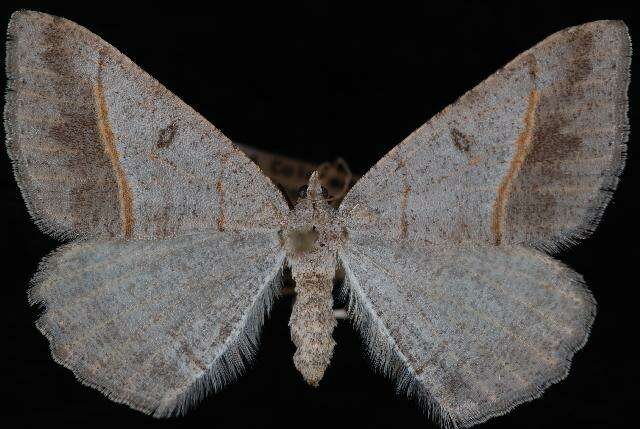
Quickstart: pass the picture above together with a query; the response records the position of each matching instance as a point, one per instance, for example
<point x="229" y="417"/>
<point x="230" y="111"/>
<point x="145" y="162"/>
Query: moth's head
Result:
<point x="313" y="191"/>
<point x="310" y="218"/>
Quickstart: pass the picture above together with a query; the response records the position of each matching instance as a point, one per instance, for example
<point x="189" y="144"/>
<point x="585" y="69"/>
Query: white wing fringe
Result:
<point x="386" y="357"/>
<point x="239" y="350"/>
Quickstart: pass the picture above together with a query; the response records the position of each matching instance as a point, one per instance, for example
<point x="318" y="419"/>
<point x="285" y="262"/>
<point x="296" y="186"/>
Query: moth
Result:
<point x="178" y="241"/>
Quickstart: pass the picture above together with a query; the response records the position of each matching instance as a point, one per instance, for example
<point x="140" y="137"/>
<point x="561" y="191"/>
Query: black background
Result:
<point x="316" y="81"/>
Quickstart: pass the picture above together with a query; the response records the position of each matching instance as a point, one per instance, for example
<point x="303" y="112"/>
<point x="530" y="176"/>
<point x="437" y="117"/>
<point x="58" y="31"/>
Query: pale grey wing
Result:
<point x="101" y="149"/>
<point x="470" y="330"/>
<point x="156" y="324"/>
<point x="531" y="155"/>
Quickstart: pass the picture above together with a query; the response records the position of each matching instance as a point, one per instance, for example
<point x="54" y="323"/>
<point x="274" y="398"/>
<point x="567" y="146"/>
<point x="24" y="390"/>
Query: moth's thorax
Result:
<point x="312" y="233"/>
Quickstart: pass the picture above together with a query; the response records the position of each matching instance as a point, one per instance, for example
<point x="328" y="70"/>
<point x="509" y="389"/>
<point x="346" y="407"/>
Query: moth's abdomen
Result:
<point x="312" y="322"/>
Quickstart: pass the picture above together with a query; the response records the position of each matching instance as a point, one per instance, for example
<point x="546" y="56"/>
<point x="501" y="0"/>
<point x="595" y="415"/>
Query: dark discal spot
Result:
<point x="461" y="141"/>
<point x="167" y="135"/>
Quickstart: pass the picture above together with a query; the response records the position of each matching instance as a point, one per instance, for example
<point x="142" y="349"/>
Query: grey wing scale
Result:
<point x="444" y="281"/>
<point x="446" y="293"/>
<point x="472" y="329"/>
<point x="101" y="149"/>
<point x="531" y="155"/>
<point x="156" y="324"/>
<point x="163" y="297"/>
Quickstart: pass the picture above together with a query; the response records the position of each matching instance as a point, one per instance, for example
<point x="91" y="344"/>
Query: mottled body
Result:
<point x="182" y="238"/>
<point x="312" y="236"/>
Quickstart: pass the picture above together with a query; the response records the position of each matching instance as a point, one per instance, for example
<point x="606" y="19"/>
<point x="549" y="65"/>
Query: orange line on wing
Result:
<point x="523" y="146"/>
<point x="107" y="137"/>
